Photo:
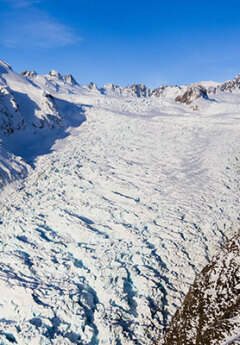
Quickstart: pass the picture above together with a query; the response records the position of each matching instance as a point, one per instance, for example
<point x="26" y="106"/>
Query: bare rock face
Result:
<point x="210" y="314"/>
<point x="192" y="93"/>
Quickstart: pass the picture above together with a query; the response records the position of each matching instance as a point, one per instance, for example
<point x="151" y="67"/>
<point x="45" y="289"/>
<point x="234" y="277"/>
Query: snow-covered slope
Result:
<point x="31" y="104"/>
<point x="31" y="119"/>
<point x="105" y="236"/>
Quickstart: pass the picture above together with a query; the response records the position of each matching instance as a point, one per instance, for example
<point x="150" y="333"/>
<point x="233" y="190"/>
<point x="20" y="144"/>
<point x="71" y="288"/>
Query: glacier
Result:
<point x="112" y="200"/>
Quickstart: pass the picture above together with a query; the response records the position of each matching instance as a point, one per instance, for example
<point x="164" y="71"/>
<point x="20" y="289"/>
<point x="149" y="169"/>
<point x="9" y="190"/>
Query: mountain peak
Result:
<point x="56" y="74"/>
<point x="70" y="79"/>
<point x="92" y="86"/>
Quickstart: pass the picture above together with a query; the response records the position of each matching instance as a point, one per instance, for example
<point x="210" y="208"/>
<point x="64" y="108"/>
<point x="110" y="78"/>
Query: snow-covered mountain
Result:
<point x="124" y="194"/>
<point x="31" y="118"/>
<point x="231" y="85"/>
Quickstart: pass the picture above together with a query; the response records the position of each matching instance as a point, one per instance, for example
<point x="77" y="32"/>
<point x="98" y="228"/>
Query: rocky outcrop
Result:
<point x="56" y="74"/>
<point x="184" y="94"/>
<point x="192" y="93"/>
<point x="69" y="79"/>
<point x="139" y="90"/>
<point x="231" y="84"/>
<point x="92" y="86"/>
<point x="29" y="74"/>
<point x="210" y="312"/>
<point x="135" y="90"/>
<point x="106" y="89"/>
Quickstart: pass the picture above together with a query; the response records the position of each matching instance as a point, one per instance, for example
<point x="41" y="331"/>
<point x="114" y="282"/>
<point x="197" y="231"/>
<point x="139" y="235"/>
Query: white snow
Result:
<point x="102" y="241"/>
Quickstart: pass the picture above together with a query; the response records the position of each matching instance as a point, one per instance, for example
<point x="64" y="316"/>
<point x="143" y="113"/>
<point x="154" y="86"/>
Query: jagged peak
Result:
<point x="56" y="74"/>
<point x="29" y="74"/>
<point x="92" y="86"/>
<point x="70" y="79"/>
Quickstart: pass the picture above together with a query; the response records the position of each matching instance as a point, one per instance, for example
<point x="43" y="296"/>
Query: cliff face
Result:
<point x="210" y="314"/>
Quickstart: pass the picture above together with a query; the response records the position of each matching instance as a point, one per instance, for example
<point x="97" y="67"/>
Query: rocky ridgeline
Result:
<point x="231" y="84"/>
<point x="185" y="94"/>
<point x="29" y="74"/>
<point x="68" y="79"/>
<point x="136" y="90"/>
<point x="209" y="314"/>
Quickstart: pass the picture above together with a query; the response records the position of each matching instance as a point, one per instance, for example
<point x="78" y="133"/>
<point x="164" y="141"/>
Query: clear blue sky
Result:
<point x="123" y="41"/>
